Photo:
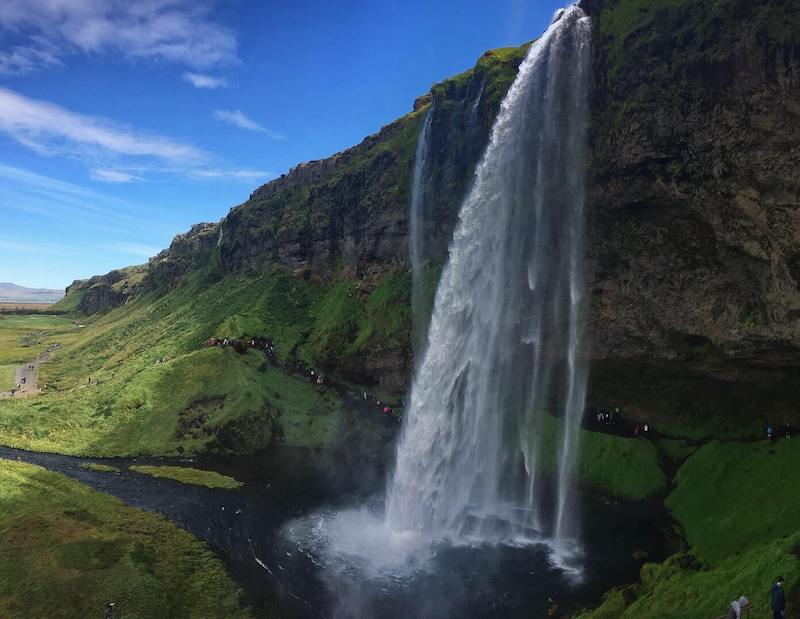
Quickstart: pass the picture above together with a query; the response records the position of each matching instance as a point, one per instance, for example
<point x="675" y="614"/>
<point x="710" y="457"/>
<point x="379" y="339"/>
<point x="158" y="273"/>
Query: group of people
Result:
<point x="773" y="433"/>
<point x="384" y="407"/>
<point x="777" y="603"/>
<point x="241" y="345"/>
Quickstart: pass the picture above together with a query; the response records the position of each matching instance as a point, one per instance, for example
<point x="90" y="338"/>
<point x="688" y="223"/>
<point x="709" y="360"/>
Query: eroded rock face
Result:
<point x="695" y="192"/>
<point x="100" y="297"/>
<point x="187" y="252"/>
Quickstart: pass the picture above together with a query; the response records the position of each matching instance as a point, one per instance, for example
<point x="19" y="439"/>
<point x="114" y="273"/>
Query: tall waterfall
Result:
<point x="503" y="366"/>
<point x="416" y="232"/>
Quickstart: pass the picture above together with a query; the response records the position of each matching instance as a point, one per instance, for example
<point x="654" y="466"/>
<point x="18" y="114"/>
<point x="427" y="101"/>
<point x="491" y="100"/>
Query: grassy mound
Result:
<point x="626" y="468"/>
<point x="188" y="475"/>
<point x="68" y="550"/>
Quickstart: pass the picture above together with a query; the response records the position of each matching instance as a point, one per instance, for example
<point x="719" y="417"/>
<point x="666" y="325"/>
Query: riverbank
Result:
<point x="69" y="551"/>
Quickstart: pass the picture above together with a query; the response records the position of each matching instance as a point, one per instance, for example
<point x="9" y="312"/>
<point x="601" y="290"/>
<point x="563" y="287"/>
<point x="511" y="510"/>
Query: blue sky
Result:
<point x="123" y="123"/>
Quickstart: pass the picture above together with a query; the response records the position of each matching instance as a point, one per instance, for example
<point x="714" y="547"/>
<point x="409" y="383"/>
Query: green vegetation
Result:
<point x="737" y="505"/>
<point x="675" y="450"/>
<point x="157" y="388"/>
<point x="188" y="475"/>
<point x="68" y="550"/>
<point x="732" y="496"/>
<point x="100" y="468"/>
<point x="623" y="467"/>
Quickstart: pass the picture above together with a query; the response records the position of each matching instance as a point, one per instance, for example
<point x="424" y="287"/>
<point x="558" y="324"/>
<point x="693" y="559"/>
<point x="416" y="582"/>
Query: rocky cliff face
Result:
<point x="694" y="198"/>
<point x="349" y="212"/>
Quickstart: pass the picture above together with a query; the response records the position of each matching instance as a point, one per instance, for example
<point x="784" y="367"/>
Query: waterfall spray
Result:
<point x="505" y="340"/>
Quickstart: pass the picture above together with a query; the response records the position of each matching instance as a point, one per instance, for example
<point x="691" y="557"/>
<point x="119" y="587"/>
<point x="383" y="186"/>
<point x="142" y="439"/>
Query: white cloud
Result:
<point x="135" y="249"/>
<point x="198" y="80"/>
<point x="50" y="129"/>
<point x="35" y="247"/>
<point x="43" y="196"/>
<point x="244" y="175"/>
<point x="19" y="60"/>
<point x="237" y="118"/>
<point x="177" y="31"/>
<point x="113" y="176"/>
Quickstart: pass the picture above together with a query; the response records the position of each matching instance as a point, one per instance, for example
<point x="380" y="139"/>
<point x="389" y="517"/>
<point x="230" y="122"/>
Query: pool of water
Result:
<point x="305" y="535"/>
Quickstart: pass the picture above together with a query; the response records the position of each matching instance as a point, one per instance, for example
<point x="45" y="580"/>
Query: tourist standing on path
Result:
<point x="778" y="599"/>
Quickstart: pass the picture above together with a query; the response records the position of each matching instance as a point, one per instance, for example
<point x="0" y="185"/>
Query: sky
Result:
<point x="123" y="123"/>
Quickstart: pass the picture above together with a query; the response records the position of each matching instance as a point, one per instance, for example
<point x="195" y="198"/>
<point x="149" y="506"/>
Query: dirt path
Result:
<point x="27" y="376"/>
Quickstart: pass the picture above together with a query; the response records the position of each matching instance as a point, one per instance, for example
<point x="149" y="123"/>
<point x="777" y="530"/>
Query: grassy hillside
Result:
<point x="737" y="505"/>
<point x="68" y="550"/>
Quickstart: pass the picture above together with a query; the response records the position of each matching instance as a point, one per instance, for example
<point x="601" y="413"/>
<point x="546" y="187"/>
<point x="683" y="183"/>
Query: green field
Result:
<point x="67" y="551"/>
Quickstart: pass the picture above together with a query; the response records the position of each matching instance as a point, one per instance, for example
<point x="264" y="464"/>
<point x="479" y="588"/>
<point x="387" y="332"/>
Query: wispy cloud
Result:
<point x="135" y="249"/>
<point x="199" y="80"/>
<point x="244" y="175"/>
<point x="51" y="129"/>
<point x="113" y="176"/>
<point x="35" y="247"/>
<point x="237" y="118"/>
<point x="178" y="31"/>
<point x="43" y="196"/>
<point x="21" y="59"/>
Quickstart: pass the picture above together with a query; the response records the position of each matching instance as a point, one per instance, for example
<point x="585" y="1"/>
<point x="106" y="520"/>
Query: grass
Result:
<point x="677" y="590"/>
<point x="100" y="468"/>
<point x="732" y="496"/>
<point x="188" y="475"/>
<point x="739" y="509"/>
<point x="622" y="467"/>
<point x="68" y="550"/>
<point x="201" y="398"/>
<point x="8" y="376"/>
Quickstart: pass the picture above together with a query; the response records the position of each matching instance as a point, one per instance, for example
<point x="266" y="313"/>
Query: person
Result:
<point x="735" y="611"/>
<point x="636" y="432"/>
<point x="769" y="432"/>
<point x="646" y="428"/>
<point x="111" y="610"/>
<point x="778" y="599"/>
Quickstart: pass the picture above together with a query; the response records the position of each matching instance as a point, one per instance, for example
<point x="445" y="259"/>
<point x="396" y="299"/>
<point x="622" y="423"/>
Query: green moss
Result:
<point x="623" y="467"/>
<point x="101" y="468"/>
<point x="675" y="449"/>
<point x="679" y="589"/>
<point x="188" y="475"/>
<point x="68" y="550"/>
<point x="732" y="496"/>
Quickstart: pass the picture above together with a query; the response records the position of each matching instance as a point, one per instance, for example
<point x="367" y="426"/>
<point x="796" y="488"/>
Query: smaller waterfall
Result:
<point x="416" y="242"/>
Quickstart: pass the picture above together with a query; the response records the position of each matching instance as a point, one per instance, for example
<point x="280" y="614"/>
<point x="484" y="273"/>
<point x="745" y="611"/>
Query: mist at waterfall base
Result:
<point x="473" y="486"/>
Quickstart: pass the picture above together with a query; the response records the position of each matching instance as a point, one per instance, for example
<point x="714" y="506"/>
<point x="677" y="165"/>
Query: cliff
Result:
<point x="693" y="193"/>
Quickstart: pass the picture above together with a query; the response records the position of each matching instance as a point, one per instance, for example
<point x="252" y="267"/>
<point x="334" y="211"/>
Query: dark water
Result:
<point x="248" y="527"/>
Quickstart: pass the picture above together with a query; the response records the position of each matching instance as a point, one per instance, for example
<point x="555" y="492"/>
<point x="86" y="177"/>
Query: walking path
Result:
<point x="27" y="376"/>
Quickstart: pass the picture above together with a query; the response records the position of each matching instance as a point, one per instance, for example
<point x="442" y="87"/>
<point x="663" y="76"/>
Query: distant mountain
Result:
<point x="11" y="293"/>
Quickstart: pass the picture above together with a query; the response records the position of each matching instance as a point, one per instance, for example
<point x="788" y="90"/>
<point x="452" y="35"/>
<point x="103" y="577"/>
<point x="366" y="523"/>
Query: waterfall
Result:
<point x="505" y="339"/>
<point x="416" y="233"/>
